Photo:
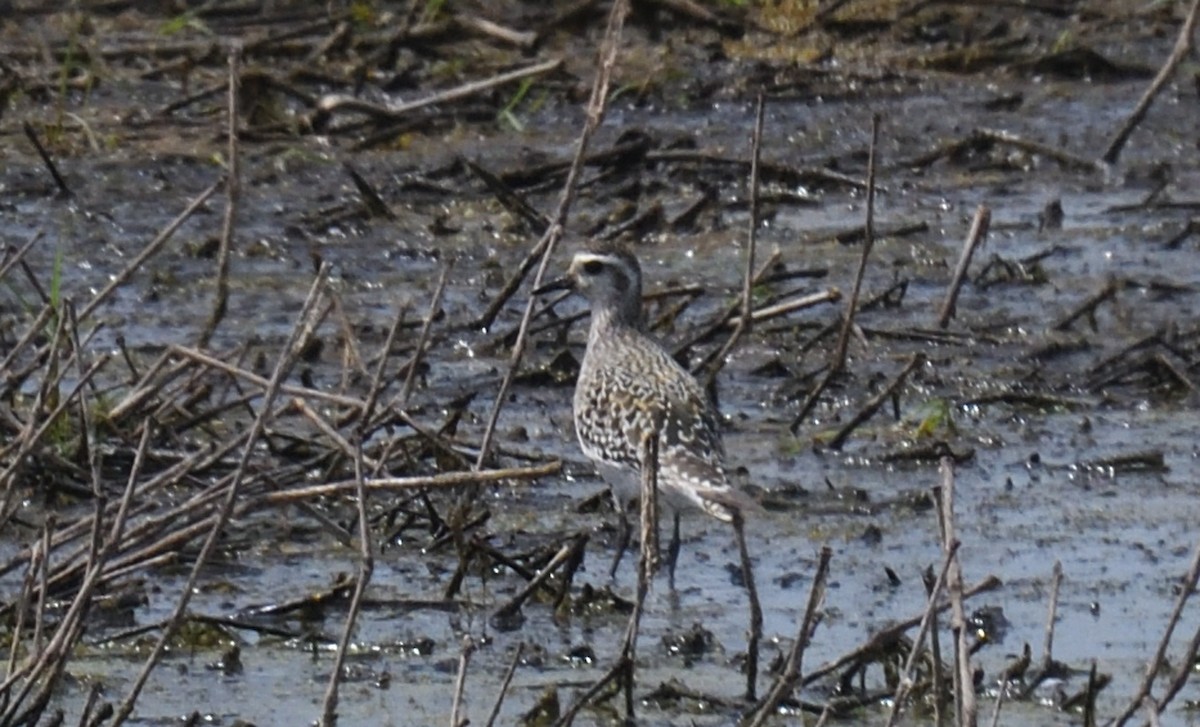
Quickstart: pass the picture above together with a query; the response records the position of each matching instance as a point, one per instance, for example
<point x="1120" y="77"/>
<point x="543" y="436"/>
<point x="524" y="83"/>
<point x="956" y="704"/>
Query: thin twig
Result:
<point x="964" y="684"/>
<point x="906" y="681"/>
<point x="790" y="676"/>
<point x="979" y="230"/>
<point x="837" y="362"/>
<point x="1001" y="692"/>
<point x="422" y="341"/>
<point x="233" y="187"/>
<point x="745" y="321"/>
<point x="46" y="159"/>
<point x="506" y="612"/>
<point x="366" y="569"/>
<point x="754" y="634"/>
<point x="386" y="484"/>
<point x="1154" y="666"/>
<point x="460" y="682"/>
<point x="11" y="258"/>
<point x="1089" y="305"/>
<point x="625" y="666"/>
<point x="876" y="401"/>
<point x="1183" y="48"/>
<point x="342" y="103"/>
<point x="891" y="633"/>
<point x="300" y="334"/>
<point x="1051" y="614"/>
<point x="147" y="252"/>
<point x="504" y="684"/>
<point x="596" y="107"/>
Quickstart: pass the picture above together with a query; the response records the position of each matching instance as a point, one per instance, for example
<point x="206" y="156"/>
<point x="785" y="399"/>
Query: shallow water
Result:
<point x="1023" y="502"/>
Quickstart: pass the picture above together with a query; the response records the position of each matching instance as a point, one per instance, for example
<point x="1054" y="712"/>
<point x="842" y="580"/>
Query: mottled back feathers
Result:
<point x="628" y="382"/>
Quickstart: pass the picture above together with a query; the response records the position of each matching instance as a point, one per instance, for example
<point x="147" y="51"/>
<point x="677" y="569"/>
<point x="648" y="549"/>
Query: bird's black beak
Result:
<point x="563" y="283"/>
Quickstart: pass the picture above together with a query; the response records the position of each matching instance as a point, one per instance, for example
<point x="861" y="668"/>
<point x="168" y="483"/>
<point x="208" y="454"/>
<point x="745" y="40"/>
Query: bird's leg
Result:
<point x="673" y="551"/>
<point x="624" y="533"/>
<point x="756" y="616"/>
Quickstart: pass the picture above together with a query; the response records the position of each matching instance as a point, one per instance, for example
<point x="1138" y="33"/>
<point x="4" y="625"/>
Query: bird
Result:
<point x="628" y="382"/>
<point x="629" y="386"/>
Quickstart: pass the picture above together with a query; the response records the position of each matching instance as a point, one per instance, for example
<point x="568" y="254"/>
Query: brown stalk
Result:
<point x="149" y="251"/>
<point x="964" y="684"/>
<point x="36" y="327"/>
<point x="625" y="666"/>
<point x="347" y="448"/>
<point x="1089" y="305"/>
<point x="460" y="682"/>
<point x="300" y="334"/>
<point x="504" y="684"/>
<point x="979" y="230"/>
<point x="33" y="435"/>
<point x="366" y="569"/>
<point x="839" y="358"/>
<point x="596" y="107"/>
<point x="790" y="676"/>
<point x="61" y="183"/>
<point x="349" y="104"/>
<point x="86" y="416"/>
<point x="754" y="635"/>
<point x="233" y="189"/>
<point x="745" y="321"/>
<point x="172" y="475"/>
<point x="906" y="680"/>
<point x="1154" y="666"/>
<point x="1051" y="614"/>
<point x="782" y="308"/>
<point x="837" y="363"/>
<point x="292" y="389"/>
<point x="366" y="557"/>
<point x="56" y="653"/>
<point x="12" y="257"/>
<point x="876" y="402"/>
<point x="410" y="375"/>
<point x="22" y="607"/>
<point x="721" y="321"/>
<point x="36" y="572"/>
<point x="386" y="484"/>
<point x="511" y="607"/>
<point x="1183" y="48"/>
<point x="1183" y="672"/>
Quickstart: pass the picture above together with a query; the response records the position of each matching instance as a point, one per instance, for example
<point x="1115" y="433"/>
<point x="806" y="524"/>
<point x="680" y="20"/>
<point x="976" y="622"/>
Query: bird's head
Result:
<point x="610" y="279"/>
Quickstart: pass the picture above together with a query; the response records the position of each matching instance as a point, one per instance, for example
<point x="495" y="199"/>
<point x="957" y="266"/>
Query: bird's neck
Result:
<point x="609" y="320"/>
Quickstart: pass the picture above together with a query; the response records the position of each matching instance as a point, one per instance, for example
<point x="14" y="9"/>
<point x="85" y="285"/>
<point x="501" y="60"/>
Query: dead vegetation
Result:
<point x="122" y="465"/>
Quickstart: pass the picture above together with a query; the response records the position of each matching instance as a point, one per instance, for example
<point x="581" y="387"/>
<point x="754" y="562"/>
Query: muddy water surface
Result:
<point x="1036" y="482"/>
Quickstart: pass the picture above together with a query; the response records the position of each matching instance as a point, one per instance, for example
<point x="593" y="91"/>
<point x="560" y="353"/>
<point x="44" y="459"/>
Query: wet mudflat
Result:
<point x="1062" y="390"/>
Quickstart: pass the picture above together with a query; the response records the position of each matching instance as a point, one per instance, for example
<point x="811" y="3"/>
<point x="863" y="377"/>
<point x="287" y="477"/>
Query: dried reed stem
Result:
<point x="366" y="568"/>
<point x="1154" y="667"/>
<point x="837" y="362"/>
<point x="149" y="251"/>
<point x="906" y="682"/>
<point x="964" y="683"/>
<point x="745" y="321"/>
<point x="300" y="334"/>
<point x="979" y="230"/>
<point x="410" y="376"/>
<point x="789" y="677"/>
<point x="233" y="187"/>
<point x="504" y="684"/>
<point x="596" y="107"/>
<point x="1183" y="48"/>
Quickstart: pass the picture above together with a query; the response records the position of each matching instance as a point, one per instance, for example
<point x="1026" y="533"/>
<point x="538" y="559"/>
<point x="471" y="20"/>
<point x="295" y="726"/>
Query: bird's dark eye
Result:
<point x="593" y="267"/>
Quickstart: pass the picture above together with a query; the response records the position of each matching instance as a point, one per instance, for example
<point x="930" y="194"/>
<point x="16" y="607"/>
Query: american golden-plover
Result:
<point x="629" y="387"/>
<point x="629" y="384"/>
